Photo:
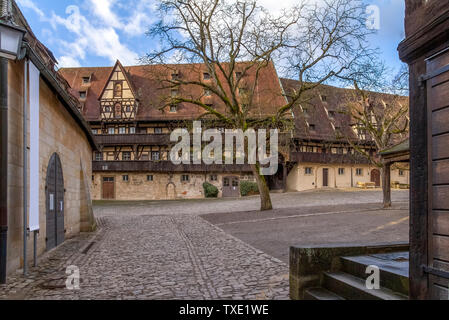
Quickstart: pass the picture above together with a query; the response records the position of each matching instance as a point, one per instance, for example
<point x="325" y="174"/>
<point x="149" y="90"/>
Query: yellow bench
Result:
<point x="366" y="185"/>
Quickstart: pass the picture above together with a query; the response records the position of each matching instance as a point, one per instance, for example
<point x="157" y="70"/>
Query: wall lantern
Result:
<point x="10" y="40"/>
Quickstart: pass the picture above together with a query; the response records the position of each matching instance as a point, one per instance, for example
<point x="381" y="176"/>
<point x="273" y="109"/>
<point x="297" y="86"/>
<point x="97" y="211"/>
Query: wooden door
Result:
<point x="231" y="187"/>
<point x="375" y="177"/>
<point x="437" y="267"/>
<point x="55" y="230"/>
<point x="325" y="177"/>
<point x="108" y="188"/>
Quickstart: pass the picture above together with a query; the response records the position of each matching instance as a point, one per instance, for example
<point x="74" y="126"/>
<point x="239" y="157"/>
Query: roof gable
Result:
<point x="118" y="75"/>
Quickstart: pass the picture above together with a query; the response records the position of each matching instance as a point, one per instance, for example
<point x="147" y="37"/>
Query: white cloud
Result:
<point x="68" y="62"/>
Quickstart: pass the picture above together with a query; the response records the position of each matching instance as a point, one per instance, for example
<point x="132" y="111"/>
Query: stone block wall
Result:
<point x="59" y="133"/>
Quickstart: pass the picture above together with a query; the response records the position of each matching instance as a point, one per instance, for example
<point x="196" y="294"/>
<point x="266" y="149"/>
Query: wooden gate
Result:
<point x="325" y="177"/>
<point x="55" y="203"/>
<point x="375" y="177"/>
<point x="108" y="188"/>
<point x="231" y="187"/>
<point x="437" y="267"/>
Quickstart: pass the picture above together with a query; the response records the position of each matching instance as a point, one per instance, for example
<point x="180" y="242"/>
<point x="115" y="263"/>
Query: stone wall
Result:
<point x="58" y="133"/>
<point x="164" y="186"/>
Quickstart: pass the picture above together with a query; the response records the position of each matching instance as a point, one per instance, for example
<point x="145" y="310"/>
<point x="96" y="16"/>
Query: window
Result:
<point x="238" y="75"/>
<point x="83" y="94"/>
<point x="175" y="76"/>
<point x="94" y="131"/>
<point x="98" y="156"/>
<point x="125" y="178"/>
<point x="157" y="130"/>
<point x="93" y="178"/>
<point x="126" y="156"/>
<point x="207" y="92"/>
<point x="155" y="156"/>
<point x="206" y="76"/>
<point x="132" y="130"/>
<point x="111" y="130"/>
<point x="107" y="109"/>
<point x="122" y="130"/>
<point x="86" y="80"/>
<point x="226" y="182"/>
<point x="185" y="178"/>
<point x="305" y="111"/>
<point x="213" y="178"/>
<point x="359" y="172"/>
<point x="308" y="171"/>
<point x="128" y="108"/>
<point x="118" y="110"/>
<point x="150" y="178"/>
<point x="173" y="108"/>
<point x="323" y="98"/>
<point x="235" y="183"/>
<point x="401" y="173"/>
<point x="118" y="89"/>
<point x="312" y="127"/>
<point x="341" y="171"/>
<point x="108" y="179"/>
<point x="332" y="114"/>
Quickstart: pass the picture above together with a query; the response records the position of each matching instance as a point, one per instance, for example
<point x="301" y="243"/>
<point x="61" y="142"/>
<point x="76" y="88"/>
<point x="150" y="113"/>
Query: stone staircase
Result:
<point x="349" y="282"/>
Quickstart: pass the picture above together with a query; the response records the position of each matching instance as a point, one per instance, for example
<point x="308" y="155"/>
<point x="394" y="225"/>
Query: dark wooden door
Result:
<point x="438" y="159"/>
<point x="55" y="232"/>
<point x="108" y="188"/>
<point x="325" y="177"/>
<point x="231" y="187"/>
<point x="375" y="177"/>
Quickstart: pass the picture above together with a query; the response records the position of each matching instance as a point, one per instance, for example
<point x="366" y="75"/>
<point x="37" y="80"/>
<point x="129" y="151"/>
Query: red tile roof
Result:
<point x="146" y="82"/>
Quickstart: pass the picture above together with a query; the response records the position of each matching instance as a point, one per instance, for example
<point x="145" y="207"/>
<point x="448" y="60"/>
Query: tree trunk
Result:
<point x="386" y="185"/>
<point x="265" y="198"/>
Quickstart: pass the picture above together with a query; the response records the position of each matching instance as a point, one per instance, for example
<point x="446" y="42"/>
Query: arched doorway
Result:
<point x="55" y="203"/>
<point x="375" y="177"/>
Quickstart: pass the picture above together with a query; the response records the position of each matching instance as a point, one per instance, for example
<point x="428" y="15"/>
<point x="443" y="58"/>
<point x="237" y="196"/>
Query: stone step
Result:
<point x="320" y="294"/>
<point x="354" y="288"/>
<point x="393" y="269"/>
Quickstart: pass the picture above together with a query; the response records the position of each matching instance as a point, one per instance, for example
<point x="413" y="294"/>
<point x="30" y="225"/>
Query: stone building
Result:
<point x="60" y="161"/>
<point x="131" y="120"/>
<point x="126" y="107"/>
<point x="321" y="155"/>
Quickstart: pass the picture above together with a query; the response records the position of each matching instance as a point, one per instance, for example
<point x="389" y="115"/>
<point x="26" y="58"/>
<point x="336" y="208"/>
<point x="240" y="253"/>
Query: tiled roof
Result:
<point x="146" y="82"/>
<point x="327" y="112"/>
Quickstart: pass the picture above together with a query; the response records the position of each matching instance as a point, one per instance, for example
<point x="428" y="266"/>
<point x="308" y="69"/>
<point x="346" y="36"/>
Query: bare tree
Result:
<point x="379" y="118"/>
<point x="314" y="42"/>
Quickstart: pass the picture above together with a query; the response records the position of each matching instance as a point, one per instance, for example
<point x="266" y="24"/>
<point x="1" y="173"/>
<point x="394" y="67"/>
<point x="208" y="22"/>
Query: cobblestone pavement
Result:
<point x="165" y="250"/>
<point x="155" y="257"/>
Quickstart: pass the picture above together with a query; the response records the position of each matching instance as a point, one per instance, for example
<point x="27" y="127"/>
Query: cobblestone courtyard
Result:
<point x="165" y="250"/>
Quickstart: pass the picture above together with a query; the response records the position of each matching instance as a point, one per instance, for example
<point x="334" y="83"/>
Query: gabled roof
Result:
<point x="146" y="83"/>
<point x="125" y="74"/>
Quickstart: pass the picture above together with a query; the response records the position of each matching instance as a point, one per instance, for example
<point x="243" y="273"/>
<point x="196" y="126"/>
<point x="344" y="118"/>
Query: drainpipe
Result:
<point x="4" y="167"/>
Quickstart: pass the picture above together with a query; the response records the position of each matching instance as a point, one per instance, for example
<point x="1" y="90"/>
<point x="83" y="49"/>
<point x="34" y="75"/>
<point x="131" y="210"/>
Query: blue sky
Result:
<point x="97" y="32"/>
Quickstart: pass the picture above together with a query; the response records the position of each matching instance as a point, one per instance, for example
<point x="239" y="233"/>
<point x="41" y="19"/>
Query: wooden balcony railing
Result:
<point x="132" y="139"/>
<point x="165" y="166"/>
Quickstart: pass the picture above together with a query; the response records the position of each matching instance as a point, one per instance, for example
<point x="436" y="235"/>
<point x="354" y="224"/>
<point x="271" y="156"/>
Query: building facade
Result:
<point x="320" y="155"/>
<point x="64" y="153"/>
<point x="132" y="122"/>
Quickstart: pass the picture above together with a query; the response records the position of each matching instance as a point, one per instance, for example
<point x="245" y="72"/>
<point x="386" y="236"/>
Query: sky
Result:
<point x="98" y="32"/>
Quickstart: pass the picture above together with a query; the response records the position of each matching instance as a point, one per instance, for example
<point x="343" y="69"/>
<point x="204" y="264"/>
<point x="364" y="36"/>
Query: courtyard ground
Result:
<point x="205" y="249"/>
